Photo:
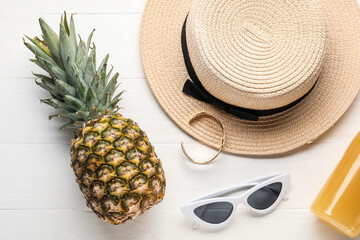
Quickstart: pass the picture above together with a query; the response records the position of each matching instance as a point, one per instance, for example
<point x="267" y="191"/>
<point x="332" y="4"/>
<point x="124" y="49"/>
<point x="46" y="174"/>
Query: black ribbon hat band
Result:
<point x="195" y="89"/>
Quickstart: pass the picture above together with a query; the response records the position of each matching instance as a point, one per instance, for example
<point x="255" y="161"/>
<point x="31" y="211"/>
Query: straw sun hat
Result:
<point x="276" y="73"/>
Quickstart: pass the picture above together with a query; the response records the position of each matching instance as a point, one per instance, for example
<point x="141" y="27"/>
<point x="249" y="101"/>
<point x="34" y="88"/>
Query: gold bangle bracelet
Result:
<point x="197" y="116"/>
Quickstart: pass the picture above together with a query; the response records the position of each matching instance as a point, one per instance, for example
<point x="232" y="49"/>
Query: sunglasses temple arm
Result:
<point x="260" y="180"/>
<point x="227" y="190"/>
<point x="239" y="187"/>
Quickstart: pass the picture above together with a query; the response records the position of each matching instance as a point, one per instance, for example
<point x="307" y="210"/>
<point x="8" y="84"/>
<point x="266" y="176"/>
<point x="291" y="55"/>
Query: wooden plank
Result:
<point x="115" y="34"/>
<point x="38" y="176"/>
<point x="18" y="7"/>
<point x="162" y="224"/>
<point x="26" y="119"/>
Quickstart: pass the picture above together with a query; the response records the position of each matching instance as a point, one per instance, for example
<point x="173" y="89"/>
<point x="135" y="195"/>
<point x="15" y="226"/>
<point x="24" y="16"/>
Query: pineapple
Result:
<point x="114" y="163"/>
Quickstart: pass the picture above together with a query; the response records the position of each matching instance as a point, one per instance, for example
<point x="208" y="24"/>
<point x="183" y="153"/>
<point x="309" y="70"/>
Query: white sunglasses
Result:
<point x="214" y="211"/>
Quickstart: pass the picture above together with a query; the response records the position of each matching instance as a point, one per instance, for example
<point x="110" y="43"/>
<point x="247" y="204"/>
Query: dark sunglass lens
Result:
<point x="265" y="197"/>
<point x="214" y="213"/>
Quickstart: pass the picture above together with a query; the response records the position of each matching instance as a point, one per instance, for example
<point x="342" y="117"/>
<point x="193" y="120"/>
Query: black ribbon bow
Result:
<point x="195" y="89"/>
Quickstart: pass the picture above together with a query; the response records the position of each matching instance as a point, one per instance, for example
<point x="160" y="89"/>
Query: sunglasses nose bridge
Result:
<point x="195" y="225"/>
<point x="285" y="197"/>
<point x="237" y="201"/>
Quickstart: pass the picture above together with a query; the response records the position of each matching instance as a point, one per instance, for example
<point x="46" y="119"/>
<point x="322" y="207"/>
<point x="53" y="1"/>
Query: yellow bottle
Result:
<point x="338" y="203"/>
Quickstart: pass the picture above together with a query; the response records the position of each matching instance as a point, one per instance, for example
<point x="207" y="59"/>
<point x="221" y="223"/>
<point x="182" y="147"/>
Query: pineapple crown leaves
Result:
<point x="77" y="88"/>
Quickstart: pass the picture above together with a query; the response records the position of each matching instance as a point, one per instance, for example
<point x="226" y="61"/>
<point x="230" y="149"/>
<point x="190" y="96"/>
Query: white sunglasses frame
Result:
<point x="189" y="207"/>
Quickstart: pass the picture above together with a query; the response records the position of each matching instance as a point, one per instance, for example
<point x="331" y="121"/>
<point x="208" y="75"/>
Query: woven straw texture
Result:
<point x="257" y="54"/>
<point x="338" y="84"/>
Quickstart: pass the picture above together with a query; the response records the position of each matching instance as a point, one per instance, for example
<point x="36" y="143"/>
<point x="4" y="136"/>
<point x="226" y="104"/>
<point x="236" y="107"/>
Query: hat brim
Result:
<point x="336" y="89"/>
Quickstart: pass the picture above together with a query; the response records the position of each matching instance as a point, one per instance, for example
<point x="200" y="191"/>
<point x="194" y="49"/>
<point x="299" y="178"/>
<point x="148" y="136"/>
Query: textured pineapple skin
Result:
<point x="116" y="168"/>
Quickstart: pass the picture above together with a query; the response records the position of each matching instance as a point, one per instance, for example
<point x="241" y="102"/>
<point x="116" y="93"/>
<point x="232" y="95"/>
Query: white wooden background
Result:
<point x="39" y="198"/>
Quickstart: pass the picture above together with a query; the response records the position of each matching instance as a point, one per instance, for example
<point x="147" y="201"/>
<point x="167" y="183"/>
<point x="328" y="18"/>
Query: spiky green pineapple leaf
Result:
<point x="67" y="115"/>
<point x="96" y="84"/>
<point x="64" y="88"/>
<point x="67" y="48"/>
<point x="56" y="71"/>
<point x="82" y="114"/>
<point x="42" y="65"/>
<point x="81" y="56"/>
<point x="43" y="85"/>
<point x="40" y="53"/>
<point x="111" y="84"/>
<point x="88" y="43"/>
<point x="52" y="40"/>
<point x="44" y="78"/>
<point x="90" y="72"/>
<point x="91" y="98"/>
<point x="72" y="32"/>
<point x="69" y="125"/>
<point x="78" y="88"/>
<point x="102" y="67"/>
<point x="58" y="104"/>
<point x="39" y="45"/>
<point x="74" y="102"/>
